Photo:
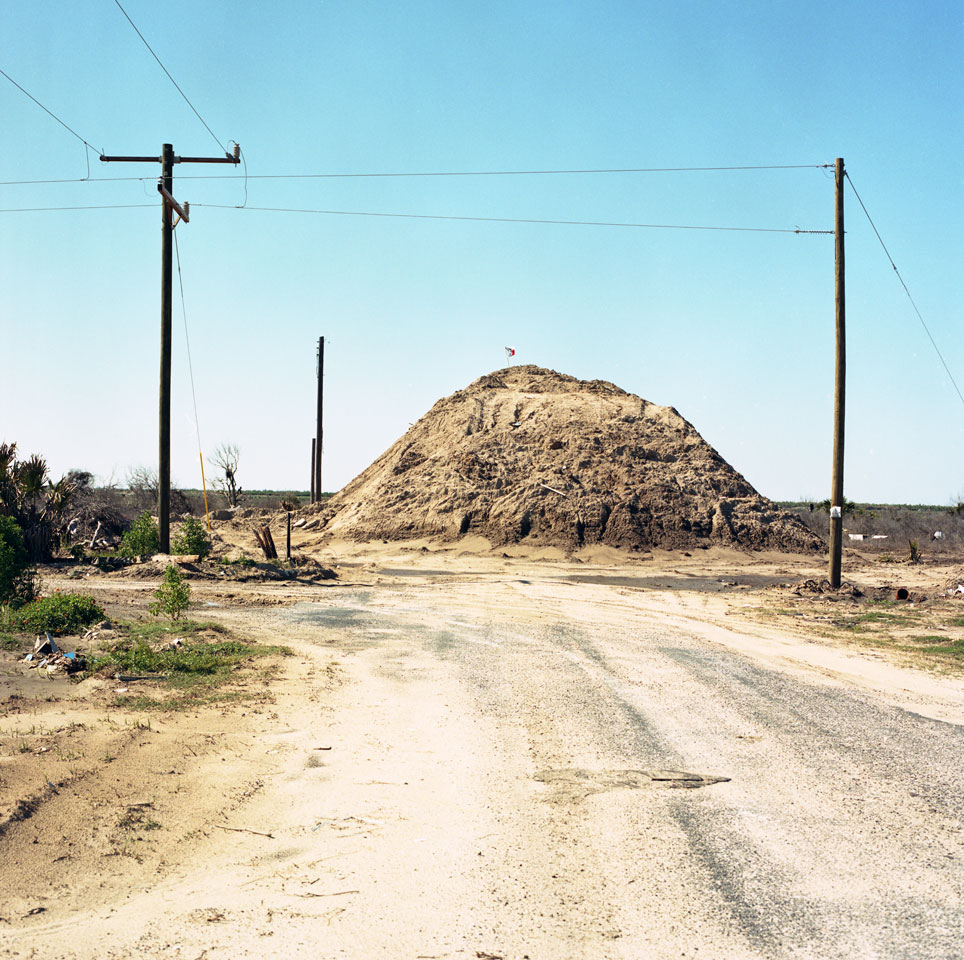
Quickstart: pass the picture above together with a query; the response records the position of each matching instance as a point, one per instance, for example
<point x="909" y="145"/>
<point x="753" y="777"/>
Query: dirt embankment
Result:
<point x="531" y="455"/>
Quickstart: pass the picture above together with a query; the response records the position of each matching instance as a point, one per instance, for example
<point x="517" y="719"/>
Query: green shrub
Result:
<point x="192" y="538"/>
<point x="14" y="562"/>
<point x="143" y="538"/>
<point x="60" y="613"/>
<point x="173" y="596"/>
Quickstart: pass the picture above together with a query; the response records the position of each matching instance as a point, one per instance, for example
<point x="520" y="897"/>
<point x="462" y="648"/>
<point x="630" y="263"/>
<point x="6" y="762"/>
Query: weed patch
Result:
<point x="9" y="641"/>
<point x="192" y="667"/>
<point x="60" y="613"/>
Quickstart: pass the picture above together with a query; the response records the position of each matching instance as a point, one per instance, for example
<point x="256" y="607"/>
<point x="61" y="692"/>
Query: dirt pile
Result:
<point x="528" y="454"/>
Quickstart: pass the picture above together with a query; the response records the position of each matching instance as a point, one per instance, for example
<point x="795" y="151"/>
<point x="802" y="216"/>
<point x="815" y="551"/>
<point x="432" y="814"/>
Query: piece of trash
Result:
<point x="322" y="748"/>
<point x="211" y="603"/>
<point x="177" y="643"/>
<point x="131" y="677"/>
<point x="54" y="663"/>
<point x="42" y="646"/>
<point x="121" y="690"/>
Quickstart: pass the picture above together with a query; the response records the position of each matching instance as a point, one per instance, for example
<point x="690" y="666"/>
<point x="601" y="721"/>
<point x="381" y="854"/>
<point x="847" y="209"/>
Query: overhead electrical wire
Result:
<point x="190" y="367"/>
<point x="920" y="317"/>
<point x="437" y="173"/>
<point x="528" y="173"/>
<point x="169" y="77"/>
<point x="578" y="223"/>
<point x="50" y="113"/>
<point x="99" y="206"/>
<point x="187" y="341"/>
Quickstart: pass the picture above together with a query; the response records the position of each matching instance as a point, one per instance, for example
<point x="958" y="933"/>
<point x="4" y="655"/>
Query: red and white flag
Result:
<point x="509" y="354"/>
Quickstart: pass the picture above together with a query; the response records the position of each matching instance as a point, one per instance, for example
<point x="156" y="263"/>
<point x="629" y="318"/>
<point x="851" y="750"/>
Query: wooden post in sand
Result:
<point x="840" y="378"/>
<point x="319" y="431"/>
<point x="314" y="444"/>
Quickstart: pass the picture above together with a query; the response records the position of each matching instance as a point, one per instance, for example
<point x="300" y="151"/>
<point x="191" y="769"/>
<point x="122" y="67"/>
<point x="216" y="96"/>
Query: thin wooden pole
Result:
<point x="204" y="487"/>
<point x="840" y="383"/>
<point x="320" y="430"/>
<point x="314" y="444"/>
<point x="164" y="399"/>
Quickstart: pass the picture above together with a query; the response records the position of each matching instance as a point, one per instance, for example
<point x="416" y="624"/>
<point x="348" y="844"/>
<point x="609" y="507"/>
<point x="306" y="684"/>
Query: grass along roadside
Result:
<point x="187" y="663"/>
<point x="164" y="664"/>
<point x="927" y="635"/>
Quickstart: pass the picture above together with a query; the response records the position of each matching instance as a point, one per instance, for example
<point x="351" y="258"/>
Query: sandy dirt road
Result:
<point x="528" y="767"/>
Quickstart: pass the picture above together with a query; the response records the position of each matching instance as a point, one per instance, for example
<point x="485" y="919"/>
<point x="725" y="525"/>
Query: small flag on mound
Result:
<point x="509" y="354"/>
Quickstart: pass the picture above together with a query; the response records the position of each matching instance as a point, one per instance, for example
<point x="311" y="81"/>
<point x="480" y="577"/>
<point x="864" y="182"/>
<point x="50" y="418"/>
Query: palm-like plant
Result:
<point x="28" y="496"/>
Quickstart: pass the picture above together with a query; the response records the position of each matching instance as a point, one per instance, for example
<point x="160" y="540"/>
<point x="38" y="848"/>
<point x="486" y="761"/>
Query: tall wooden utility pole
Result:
<point x="319" y="428"/>
<point x="840" y="383"/>
<point x="169" y="206"/>
<point x="313" y="444"/>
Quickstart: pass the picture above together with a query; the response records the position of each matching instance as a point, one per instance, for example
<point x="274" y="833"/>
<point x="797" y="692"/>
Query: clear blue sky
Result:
<point x="733" y="329"/>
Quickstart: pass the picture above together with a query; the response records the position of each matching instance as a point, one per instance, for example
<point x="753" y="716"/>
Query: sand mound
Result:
<point x="528" y="454"/>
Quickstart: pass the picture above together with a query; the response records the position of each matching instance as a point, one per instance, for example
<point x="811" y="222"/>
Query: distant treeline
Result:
<point x="935" y="529"/>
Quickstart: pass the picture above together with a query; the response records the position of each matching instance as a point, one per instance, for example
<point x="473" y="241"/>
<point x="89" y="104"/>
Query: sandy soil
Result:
<point x="474" y="754"/>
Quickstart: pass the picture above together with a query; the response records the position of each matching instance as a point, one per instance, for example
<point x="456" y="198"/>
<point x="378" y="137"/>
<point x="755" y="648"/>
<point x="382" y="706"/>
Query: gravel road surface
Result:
<point x="547" y="769"/>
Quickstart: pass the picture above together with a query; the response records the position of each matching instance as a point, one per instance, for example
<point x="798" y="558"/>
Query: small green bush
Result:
<point x="14" y="562"/>
<point x="241" y="561"/>
<point x="61" y="613"/>
<point x="192" y="538"/>
<point x="143" y="538"/>
<point x="173" y="596"/>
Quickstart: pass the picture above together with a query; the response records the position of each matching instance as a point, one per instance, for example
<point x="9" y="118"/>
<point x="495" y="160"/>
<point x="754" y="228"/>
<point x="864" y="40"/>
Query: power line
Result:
<point x="187" y="341"/>
<point x="102" y="206"/>
<point x="50" y="113"/>
<point x="906" y="290"/>
<point x="169" y="77"/>
<point x="576" y="223"/>
<point x="437" y="173"/>
<point x="29" y="183"/>
<point x="529" y="173"/>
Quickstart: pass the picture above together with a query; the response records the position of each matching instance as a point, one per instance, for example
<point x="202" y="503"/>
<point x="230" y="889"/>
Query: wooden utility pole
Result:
<point x="840" y="383"/>
<point x="169" y="206"/>
<point x="319" y="429"/>
<point x="313" y="444"/>
<point x="164" y="404"/>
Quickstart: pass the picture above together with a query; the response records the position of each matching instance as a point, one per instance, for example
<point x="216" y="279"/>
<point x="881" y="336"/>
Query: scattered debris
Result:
<point x="263" y="535"/>
<point x="257" y="833"/>
<point x="49" y="657"/>
<point x="822" y="588"/>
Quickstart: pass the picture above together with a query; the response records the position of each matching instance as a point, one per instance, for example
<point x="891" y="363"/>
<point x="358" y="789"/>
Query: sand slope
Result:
<point x="530" y="455"/>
